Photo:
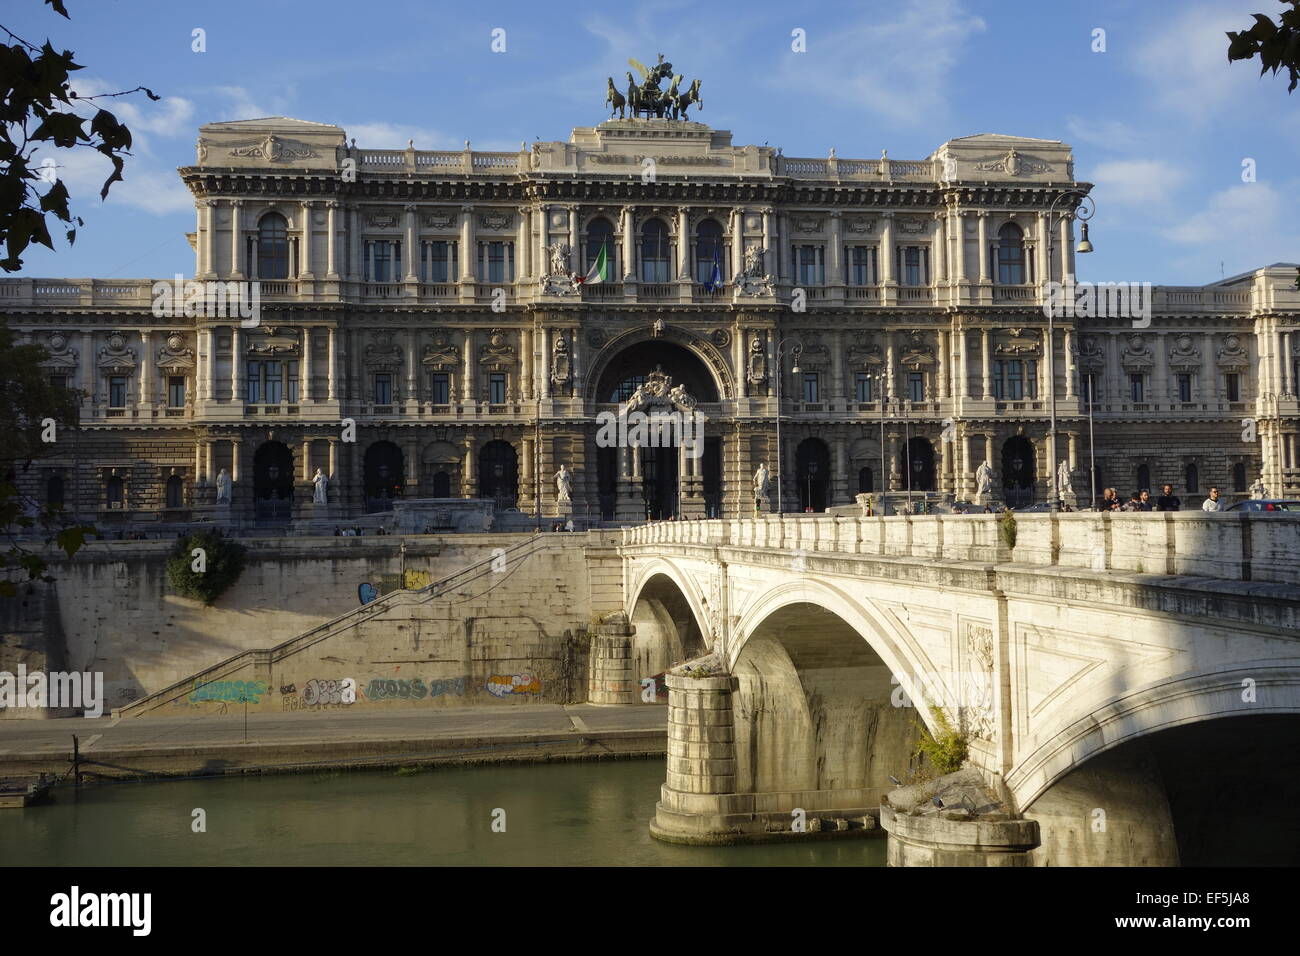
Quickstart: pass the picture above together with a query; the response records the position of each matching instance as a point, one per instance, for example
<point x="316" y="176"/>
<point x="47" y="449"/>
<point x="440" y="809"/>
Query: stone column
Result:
<point x="304" y="367"/>
<point x="525" y="363"/>
<point x="963" y="364"/>
<point x="524" y="258"/>
<point x="470" y="255"/>
<point x="526" y="489"/>
<point x="774" y="263"/>
<point x="984" y="247"/>
<point x="412" y="243"/>
<point x="146" y="396"/>
<point x="840" y="480"/>
<point x="701" y="756"/>
<point x="207" y="460"/>
<point x="837" y="367"/>
<point x="199" y="477"/>
<point x="470" y="482"/>
<point x="306" y="460"/>
<point x="959" y="254"/>
<point x="1161" y="385"/>
<point x="573" y="235"/>
<point x="236" y="238"/>
<point x="1279" y="383"/>
<point x="1071" y="372"/>
<point x="1113" y="367"/>
<point x="545" y="368"/>
<point x="890" y="389"/>
<point x="1044" y="261"/>
<point x="210" y="363"/>
<point x="334" y="459"/>
<point x="236" y="471"/>
<point x="944" y="366"/>
<point x="412" y="384"/>
<point x="612" y="677"/>
<point x="210" y="238"/>
<point x="986" y="365"/>
<point x="683" y="243"/>
<point x="886" y="263"/>
<point x="940" y="243"/>
<point x="355" y="268"/>
<point x="305" y="260"/>
<point x="836" y="264"/>
<point x="332" y="393"/>
<point x="467" y="368"/>
<point x="331" y="242"/>
<point x="628" y="226"/>
<point x="737" y="241"/>
<point x="1209" y="385"/>
<point x="237" y="393"/>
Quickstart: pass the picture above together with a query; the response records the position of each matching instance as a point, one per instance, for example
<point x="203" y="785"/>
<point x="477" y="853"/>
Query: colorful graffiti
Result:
<point x="367" y="592"/>
<point x="412" y="579"/>
<point x="503" y="685"/>
<point x="228" y="690"/>
<point x="451" y="685"/>
<point x="382" y="688"/>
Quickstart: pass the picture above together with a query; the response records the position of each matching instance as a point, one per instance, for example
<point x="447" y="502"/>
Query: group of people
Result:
<point x="1167" y="501"/>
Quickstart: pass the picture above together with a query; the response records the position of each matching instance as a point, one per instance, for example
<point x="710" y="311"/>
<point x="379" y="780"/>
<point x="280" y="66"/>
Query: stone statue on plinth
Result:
<point x="1064" y="488"/>
<point x="320" y="488"/>
<point x="984" y="483"/>
<point x="564" y="485"/>
<point x="762" y="484"/>
<point x="1257" y="490"/>
<point x="224" y="486"/>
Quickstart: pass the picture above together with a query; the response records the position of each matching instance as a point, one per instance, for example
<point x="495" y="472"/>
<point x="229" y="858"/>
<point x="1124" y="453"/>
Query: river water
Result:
<point x="554" y="815"/>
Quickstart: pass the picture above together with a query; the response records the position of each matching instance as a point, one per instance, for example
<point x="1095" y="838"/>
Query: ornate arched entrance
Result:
<point x="812" y="474"/>
<point x="383" y="475"/>
<point x="273" y="482"/>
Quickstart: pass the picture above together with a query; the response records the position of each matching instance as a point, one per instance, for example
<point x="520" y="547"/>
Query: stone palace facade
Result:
<point x="429" y="299"/>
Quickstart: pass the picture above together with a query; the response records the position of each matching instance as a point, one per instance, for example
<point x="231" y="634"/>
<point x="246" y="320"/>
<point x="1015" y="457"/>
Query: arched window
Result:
<point x="175" y="492"/>
<point x="1239" y="476"/>
<point x="1011" y="255"/>
<point x="273" y="247"/>
<point x="1192" y="479"/>
<point x="709" y="250"/>
<point x="600" y="232"/>
<point x="113" y="492"/>
<point x="54" y="491"/>
<point x="654" y="251"/>
<point x="1143" y="478"/>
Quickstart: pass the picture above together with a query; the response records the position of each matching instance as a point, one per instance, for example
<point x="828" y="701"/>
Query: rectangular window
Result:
<point x="862" y="265"/>
<point x="1184" y="388"/>
<point x="383" y="388"/>
<point x="1089" y="386"/>
<point x="1015" y="381"/>
<point x="117" y="391"/>
<point x="914" y="265"/>
<point x="496" y="261"/>
<point x="291" y="382"/>
<point x="441" y="388"/>
<point x="58" y="381"/>
<point x="271" y="383"/>
<point x="1232" y="385"/>
<point x="254" y="383"/>
<point x="1135" y="384"/>
<point x="862" y="386"/>
<point x="176" y="391"/>
<point x="383" y="260"/>
<point x="1031" y="379"/>
<point x="497" y="388"/>
<point x="438" y="261"/>
<point x="916" y="386"/>
<point x="810" y="387"/>
<point x="810" y="265"/>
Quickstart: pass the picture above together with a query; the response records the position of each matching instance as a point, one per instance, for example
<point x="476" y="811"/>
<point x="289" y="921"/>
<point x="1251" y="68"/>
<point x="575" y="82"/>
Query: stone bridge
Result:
<point x="1121" y="679"/>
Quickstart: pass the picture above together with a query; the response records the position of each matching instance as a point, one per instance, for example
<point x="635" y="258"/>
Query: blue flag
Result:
<point x="715" y="277"/>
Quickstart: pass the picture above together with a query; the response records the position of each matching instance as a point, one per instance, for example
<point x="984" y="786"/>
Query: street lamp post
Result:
<point x="1083" y="212"/>
<point x="796" y="349"/>
<point x="881" y="381"/>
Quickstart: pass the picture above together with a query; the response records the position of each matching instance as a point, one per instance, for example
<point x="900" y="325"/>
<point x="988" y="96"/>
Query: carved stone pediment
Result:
<point x="856" y="226"/>
<point x="116" y="357"/>
<point x="1019" y="344"/>
<point x="1184" y="356"/>
<point x="1014" y="163"/>
<point x="808" y="225"/>
<point x="175" y="356"/>
<point x="862" y="354"/>
<point x="498" y="355"/>
<point x="383" y="354"/>
<point x="910" y="226"/>
<point x="756" y="363"/>
<point x="270" y="340"/>
<point x="496" y="219"/>
<point x="1136" y="355"/>
<point x="383" y="218"/>
<point x="660" y="393"/>
<point x="443" y="219"/>
<point x="814" y="355"/>
<point x="61" y="354"/>
<point x="561" y="364"/>
<point x="917" y="353"/>
<point x="441" y="356"/>
<point x="1091" y="354"/>
<point x="1232" y="354"/>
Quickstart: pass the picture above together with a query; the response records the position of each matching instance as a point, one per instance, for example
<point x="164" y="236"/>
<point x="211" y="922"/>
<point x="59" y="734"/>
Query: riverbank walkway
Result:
<point x="110" y="748"/>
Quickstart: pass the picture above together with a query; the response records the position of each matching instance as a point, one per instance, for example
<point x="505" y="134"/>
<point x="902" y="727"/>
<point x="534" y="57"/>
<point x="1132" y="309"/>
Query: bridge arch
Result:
<point x="668" y="612"/>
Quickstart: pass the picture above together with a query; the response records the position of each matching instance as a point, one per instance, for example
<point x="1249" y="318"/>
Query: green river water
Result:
<point x="560" y="814"/>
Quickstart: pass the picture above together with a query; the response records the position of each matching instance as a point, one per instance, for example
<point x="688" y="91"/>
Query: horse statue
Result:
<point x="615" y="99"/>
<point x="634" y="101"/>
<point x="683" y="101"/>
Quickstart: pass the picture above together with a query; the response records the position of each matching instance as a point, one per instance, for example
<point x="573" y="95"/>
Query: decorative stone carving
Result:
<point x="984" y="482"/>
<point x="978" y="679"/>
<point x="274" y="149"/>
<point x="116" y="357"/>
<point x="753" y="280"/>
<point x="756" y="364"/>
<point x="441" y="356"/>
<point x="1232" y="354"/>
<point x="1092" y="357"/>
<point x="596" y="338"/>
<point x="910" y="226"/>
<point x="383" y="219"/>
<point x="807" y="224"/>
<point x="561" y="365"/>
<point x="1013" y="164"/>
<point x="1184" y="356"/>
<point x="660" y="392"/>
<point x="496" y="220"/>
<point x="174" y="358"/>
<point x="320" y="488"/>
<point x="564" y="485"/>
<point x="917" y="354"/>
<point x="498" y="355"/>
<point x="1136" y="355"/>
<point x="762" y="481"/>
<point x="720" y="337"/>
<point x="857" y="226"/>
<point x="383" y="354"/>
<point x="441" y="220"/>
<point x="559" y="280"/>
<point x="61" y="355"/>
<point x="272" y="340"/>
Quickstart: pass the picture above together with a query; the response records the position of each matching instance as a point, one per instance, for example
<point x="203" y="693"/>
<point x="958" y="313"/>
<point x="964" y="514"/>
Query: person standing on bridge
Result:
<point x="1212" y="503"/>
<point x="1168" y="501"/>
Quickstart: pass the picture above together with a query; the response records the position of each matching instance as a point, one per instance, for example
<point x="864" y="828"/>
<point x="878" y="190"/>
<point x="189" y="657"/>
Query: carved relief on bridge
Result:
<point x="977" y="701"/>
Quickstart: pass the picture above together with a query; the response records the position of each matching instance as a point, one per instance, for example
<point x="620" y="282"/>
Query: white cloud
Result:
<point x="170" y="116"/>
<point x="381" y="135"/>
<point x="1137" y="182"/>
<point x="243" y="104"/>
<point x="1248" y="216"/>
<point x="896" y="62"/>
<point x="143" y="186"/>
<point x="1108" y="134"/>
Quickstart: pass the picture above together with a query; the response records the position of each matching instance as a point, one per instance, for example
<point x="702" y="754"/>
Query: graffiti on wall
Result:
<point x="412" y="579"/>
<point x="228" y="690"/>
<point x="503" y="685"/>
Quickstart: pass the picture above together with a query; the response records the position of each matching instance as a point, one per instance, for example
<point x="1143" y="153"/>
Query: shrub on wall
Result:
<point x="205" y="576"/>
<point x="946" y="750"/>
<point x="1007" y="524"/>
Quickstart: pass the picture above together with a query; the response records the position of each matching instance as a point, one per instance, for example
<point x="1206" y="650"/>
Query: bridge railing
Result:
<point x="1234" y="546"/>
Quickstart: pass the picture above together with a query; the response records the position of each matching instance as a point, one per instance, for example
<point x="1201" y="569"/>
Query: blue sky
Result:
<point x="1159" y="121"/>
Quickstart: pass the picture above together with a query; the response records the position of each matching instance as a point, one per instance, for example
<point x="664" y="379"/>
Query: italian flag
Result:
<point x="599" y="269"/>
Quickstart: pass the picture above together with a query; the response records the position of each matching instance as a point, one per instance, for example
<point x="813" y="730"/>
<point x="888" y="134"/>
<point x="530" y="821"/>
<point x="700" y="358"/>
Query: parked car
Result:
<point x="1267" y="504"/>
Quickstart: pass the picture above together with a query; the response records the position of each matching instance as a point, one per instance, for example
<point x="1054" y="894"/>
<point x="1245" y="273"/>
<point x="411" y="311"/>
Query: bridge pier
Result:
<point x="612" y="679"/>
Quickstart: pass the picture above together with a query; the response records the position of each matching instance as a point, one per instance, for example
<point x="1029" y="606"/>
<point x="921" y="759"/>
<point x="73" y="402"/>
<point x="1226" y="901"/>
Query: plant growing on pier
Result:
<point x="947" y="750"/>
<point x="208" y="577"/>
<point x="1007" y="527"/>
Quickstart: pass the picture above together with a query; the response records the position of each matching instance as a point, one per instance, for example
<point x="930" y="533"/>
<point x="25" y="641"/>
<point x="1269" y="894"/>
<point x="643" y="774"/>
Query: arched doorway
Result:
<point x="632" y="366"/>
<point x="273" y="482"/>
<point x="440" y="485"/>
<point x="659" y="482"/>
<point x="383" y="475"/>
<point x="918" y="465"/>
<point x="498" y="474"/>
<point x="54" y="491"/>
<point x="812" y="474"/>
<point x="1018" y="471"/>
